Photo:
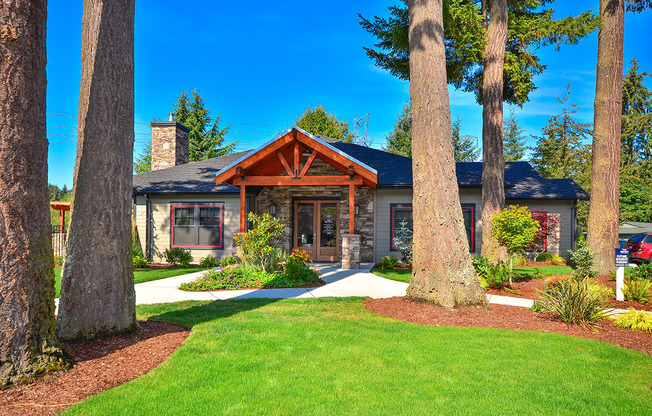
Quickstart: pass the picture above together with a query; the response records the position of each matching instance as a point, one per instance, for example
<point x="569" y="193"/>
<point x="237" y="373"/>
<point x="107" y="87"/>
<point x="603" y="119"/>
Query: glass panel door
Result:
<point x="328" y="232"/>
<point x="305" y="227"/>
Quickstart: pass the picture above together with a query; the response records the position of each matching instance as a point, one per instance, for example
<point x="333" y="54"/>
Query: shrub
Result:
<point x="58" y="260"/>
<point x="208" y="262"/>
<point x="557" y="260"/>
<point x="637" y="290"/>
<point x="642" y="272"/>
<point x="572" y="301"/>
<point x="582" y="259"/>
<point x="227" y="261"/>
<point x="140" y="261"/>
<point x="602" y="291"/>
<point x="544" y="257"/>
<point x="387" y="262"/>
<point x="514" y="229"/>
<point x="297" y="269"/>
<point x="497" y="275"/>
<point x="403" y="242"/>
<point x="480" y="264"/>
<point x="634" y="319"/>
<point x="258" y="245"/>
<point x="178" y="256"/>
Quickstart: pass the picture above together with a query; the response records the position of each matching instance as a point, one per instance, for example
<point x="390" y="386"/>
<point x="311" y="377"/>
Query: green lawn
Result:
<point x="140" y="275"/>
<point x="404" y="275"/>
<point x="391" y="274"/>
<point x="331" y="357"/>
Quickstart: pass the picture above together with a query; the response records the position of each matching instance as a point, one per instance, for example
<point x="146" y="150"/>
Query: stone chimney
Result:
<point x="170" y="144"/>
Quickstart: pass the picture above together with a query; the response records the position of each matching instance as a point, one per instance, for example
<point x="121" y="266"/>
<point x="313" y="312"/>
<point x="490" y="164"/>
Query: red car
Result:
<point x="640" y="248"/>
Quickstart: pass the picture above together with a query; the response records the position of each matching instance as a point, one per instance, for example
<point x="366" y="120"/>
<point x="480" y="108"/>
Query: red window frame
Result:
<point x="199" y="205"/>
<point x="394" y="207"/>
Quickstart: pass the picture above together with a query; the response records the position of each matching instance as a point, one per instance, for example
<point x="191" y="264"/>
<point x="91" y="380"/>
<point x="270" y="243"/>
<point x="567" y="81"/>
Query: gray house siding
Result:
<point x="385" y="198"/>
<point x="161" y="220"/>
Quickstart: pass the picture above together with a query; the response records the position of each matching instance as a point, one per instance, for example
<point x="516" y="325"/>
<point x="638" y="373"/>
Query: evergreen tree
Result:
<point x="400" y="140"/>
<point x="317" y="121"/>
<point x="530" y="27"/>
<point x="561" y="152"/>
<point x="465" y="150"/>
<point x="637" y="117"/>
<point x="514" y="146"/>
<point x="636" y="152"/>
<point x="442" y="272"/>
<point x="143" y="162"/>
<point x="205" y="135"/>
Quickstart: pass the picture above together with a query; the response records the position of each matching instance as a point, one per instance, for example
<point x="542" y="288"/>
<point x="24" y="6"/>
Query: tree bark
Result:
<point x="493" y="161"/>
<point x="442" y="272"/>
<point x="602" y="227"/>
<point x="97" y="291"/>
<point x="27" y="328"/>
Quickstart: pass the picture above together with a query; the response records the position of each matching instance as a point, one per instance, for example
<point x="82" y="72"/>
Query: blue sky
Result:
<point x="260" y="64"/>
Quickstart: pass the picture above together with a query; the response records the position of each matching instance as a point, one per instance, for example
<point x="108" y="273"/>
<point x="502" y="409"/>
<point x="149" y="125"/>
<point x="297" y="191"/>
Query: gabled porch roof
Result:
<point x="286" y="160"/>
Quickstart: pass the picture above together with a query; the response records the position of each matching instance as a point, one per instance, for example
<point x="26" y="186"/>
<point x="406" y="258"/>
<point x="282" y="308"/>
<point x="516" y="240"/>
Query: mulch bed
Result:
<point x="97" y="366"/>
<point x="506" y="317"/>
<point x="529" y="289"/>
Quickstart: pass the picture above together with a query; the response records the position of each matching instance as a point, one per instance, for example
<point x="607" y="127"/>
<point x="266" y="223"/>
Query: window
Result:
<point x="402" y="214"/>
<point x="197" y="225"/>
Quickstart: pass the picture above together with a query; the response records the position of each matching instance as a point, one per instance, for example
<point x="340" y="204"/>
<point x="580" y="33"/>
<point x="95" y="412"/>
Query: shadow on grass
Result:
<point x="197" y="312"/>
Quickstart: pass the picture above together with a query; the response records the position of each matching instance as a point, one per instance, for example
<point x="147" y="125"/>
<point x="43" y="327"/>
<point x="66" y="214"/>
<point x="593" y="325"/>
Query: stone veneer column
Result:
<point x="170" y="144"/>
<point x="350" y="251"/>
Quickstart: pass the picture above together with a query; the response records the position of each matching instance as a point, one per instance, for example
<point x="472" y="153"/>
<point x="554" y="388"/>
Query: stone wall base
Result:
<point x="351" y="251"/>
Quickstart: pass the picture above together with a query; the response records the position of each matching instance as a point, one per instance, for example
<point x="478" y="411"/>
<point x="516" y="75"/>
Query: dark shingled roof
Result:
<point x="521" y="180"/>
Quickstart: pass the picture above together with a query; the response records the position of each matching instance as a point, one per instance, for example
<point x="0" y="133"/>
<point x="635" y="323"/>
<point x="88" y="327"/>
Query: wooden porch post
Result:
<point x="62" y="221"/>
<point x="351" y="209"/>
<point x="243" y="207"/>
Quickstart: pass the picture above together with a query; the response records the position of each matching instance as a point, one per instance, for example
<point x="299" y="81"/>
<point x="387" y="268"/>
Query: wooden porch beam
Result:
<point x="296" y="158"/>
<point x="303" y="181"/>
<point x="284" y="163"/>
<point x="308" y="163"/>
<point x="352" y="209"/>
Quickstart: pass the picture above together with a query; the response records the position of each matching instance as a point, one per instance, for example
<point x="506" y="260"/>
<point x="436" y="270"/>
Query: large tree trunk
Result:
<point x="27" y="327"/>
<point x="602" y="227"/>
<point x="493" y="161"/>
<point x="97" y="291"/>
<point x="442" y="272"/>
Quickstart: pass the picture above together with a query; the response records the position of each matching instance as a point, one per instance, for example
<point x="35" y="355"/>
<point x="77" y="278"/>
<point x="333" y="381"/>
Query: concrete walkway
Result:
<point x="339" y="283"/>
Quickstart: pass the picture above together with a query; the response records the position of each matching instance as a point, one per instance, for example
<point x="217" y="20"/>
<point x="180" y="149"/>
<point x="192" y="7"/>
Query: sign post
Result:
<point x="622" y="261"/>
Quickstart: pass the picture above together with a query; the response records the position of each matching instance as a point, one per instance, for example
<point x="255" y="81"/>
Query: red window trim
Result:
<point x="393" y="208"/>
<point x="213" y="205"/>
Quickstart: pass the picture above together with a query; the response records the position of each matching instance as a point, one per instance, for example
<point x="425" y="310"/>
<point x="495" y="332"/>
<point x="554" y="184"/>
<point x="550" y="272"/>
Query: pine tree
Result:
<point x="400" y="140"/>
<point x="514" y="146"/>
<point x="205" y="135"/>
<point x="28" y="345"/>
<point x="317" y="121"/>
<point x="464" y="149"/>
<point x="442" y="271"/>
<point x="97" y="286"/>
<point x="561" y="151"/>
<point x="636" y="117"/>
<point x="143" y="162"/>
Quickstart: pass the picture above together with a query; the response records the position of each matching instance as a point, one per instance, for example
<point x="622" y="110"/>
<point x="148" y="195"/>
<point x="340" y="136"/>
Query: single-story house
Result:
<point x="629" y="229"/>
<point x="341" y="201"/>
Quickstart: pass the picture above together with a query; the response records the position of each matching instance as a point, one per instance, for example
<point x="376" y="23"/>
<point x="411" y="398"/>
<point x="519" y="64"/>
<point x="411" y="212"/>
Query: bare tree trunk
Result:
<point x="602" y="227"/>
<point x="493" y="161"/>
<point x="442" y="271"/>
<point x="97" y="291"/>
<point x="27" y="328"/>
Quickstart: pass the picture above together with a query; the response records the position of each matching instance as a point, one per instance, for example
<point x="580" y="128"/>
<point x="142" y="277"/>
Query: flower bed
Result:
<point x="292" y="273"/>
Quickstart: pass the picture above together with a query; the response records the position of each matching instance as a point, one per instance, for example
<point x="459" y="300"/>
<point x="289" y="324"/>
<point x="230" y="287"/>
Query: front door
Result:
<point x="316" y="229"/>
